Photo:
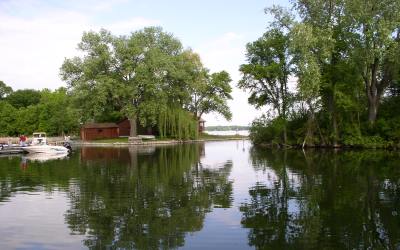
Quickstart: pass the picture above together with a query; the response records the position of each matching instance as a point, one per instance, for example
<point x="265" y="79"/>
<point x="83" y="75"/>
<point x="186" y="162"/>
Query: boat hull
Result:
<point x="46" y="149"/>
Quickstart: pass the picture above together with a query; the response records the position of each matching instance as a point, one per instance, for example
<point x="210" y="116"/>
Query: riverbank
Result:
<point x="124" y="141"/>
<point x="382" y="145"/>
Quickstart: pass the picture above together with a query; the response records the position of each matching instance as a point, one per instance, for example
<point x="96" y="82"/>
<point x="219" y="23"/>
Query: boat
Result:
<point x="46" y="149"/>
<point x="39" y="145"/>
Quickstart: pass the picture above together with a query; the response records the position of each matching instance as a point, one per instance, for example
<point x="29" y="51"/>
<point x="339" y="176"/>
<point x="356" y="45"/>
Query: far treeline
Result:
<point x="226" y="128"/>
<point x="147" y="77"/>
<point x="329" y="72"/>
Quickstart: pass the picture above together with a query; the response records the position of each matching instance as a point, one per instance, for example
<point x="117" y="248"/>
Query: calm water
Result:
<point x="217" y="195"/>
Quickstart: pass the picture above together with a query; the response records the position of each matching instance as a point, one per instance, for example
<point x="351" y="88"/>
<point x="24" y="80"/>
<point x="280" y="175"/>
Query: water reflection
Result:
<point x="343" y="200"/>
<point x="150" y="204"/>
<point x="225" y="195"/>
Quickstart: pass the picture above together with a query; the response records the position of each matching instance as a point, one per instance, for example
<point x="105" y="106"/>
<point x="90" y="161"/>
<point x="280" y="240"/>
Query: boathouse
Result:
<point x="92" y="131"/>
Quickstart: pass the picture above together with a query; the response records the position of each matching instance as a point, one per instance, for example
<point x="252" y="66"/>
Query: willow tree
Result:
<point x="128" y="73"/>
<point x="266" y="73"/>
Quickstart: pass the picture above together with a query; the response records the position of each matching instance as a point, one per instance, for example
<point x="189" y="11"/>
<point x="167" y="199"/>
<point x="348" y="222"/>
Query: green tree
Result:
<point x="211" y="94"/>
<point x="57" y="115"/>
<point x="125" y="73"/>
<point x="7" y="119"/>
<point x="23" y="98"/>
<point x="376" y="46"/>
<point x="4" y="90"/>
<point x="267" y="72"/>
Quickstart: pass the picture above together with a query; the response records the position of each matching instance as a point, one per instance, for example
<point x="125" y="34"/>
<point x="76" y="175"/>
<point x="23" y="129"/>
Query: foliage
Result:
<point x="4" y="90"/>
<point x="52" y="113"/>
<point x="344" y="56"/>
<point x="142" y="77"/>
<point x="23" y="98"/>
<point x="266" y="74"/>
<point x="211" y="95"/>
<point x="177" y="123"/>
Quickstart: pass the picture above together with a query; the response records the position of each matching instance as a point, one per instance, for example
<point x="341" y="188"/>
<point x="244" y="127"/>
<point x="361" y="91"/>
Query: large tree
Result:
<point x="127" y="74"/>
<point x="266" y="73"/>
<point x="210" y="94"/>
<point x="376" y="25"/>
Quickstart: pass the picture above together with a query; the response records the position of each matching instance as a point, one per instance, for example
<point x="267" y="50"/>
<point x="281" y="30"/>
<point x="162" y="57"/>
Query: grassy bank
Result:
<point x="202" y="137"/>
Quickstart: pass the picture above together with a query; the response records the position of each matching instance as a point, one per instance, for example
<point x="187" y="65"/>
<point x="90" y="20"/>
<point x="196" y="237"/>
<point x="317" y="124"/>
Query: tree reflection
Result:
<point x="324" y="200"/>
<point x="128" y="198"/>
<point x="150" y="204"/>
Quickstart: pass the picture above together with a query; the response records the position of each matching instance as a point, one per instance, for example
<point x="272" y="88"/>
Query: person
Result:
<point x="22" y="140"/>
<point x="67" y="138"/>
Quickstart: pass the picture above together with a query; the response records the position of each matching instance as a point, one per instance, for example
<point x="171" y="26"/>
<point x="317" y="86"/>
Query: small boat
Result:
<point x="39" y="145"/>
<point x="46" y="149"/>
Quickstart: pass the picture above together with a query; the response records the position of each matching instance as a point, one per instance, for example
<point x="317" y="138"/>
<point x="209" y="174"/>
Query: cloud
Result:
<point x="32" y="48"/>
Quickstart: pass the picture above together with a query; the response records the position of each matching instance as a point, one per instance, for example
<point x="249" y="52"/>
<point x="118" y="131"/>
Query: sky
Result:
<point x="37" y="35"/>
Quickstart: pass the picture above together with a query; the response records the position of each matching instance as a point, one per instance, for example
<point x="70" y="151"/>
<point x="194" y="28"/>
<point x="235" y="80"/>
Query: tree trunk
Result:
<point x="133" y="123"/>
<point x="372" y="110"/>
<point x="332" y="111"/>
<point x="284" y="134"/>
<point x="372" y="87"/>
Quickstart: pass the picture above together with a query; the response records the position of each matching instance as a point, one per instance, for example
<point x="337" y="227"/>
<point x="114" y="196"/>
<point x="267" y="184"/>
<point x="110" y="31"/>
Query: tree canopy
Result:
<point x="142" y="77"/>
<point x="344" y="57"/>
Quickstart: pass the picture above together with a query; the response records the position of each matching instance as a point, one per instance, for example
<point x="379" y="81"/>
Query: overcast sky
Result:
<point x="36" y="36"/>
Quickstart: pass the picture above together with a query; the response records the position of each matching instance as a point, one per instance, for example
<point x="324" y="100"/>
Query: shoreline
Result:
<point x="326" y="147"/>
<point x="151" y="143"/>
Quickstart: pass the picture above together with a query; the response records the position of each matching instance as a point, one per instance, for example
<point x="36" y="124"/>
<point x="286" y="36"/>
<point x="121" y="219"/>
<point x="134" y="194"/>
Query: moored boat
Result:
<point x="39" y="145"/>
<point x="47" y="149"/>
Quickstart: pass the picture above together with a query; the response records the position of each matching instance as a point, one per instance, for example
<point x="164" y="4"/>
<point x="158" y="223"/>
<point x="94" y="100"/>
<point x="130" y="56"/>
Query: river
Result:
<point x="213" y="195"/>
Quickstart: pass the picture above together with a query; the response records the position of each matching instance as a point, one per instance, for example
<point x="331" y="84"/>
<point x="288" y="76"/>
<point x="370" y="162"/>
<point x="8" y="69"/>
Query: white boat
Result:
<point x="46" y="149"/>
<point x="39" y="138"/>
<point x="39" y="145"/>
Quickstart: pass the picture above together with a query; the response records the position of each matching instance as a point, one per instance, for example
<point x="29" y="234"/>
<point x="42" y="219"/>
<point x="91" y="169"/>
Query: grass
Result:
<point x="113" y="140"/>
<point x="202" y="136"/>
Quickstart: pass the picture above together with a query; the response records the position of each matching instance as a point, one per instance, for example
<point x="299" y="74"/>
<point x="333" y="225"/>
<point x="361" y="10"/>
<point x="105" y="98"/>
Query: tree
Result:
<point x="266" y="74"/>
<point x="143" y="77"/>
<point x="376" y="46"/>
<point x="57" y="115"/>
<point x="210" y="94"/>
<point x="4" y="90"/>
<point x="7" y="119"/>
<point x="307" y="71"/>
<point x="126" y="73"/>
<point x="23" y="98"/>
